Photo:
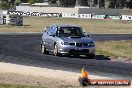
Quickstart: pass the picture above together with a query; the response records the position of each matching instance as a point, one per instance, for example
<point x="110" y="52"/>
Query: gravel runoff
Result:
<point x="29" y="75"/>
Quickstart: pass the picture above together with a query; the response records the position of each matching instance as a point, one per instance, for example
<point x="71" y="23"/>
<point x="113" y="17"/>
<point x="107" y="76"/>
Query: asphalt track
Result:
<point x="25" y="49"/>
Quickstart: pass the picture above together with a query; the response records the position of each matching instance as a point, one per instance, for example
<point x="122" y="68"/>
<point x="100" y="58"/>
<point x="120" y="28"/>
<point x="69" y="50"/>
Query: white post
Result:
<point x="8" y="19"/>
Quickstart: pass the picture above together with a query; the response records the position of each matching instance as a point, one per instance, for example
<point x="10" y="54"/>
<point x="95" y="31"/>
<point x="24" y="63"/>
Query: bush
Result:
<point x="4" y="5"/>
<point x="17" y="2"/>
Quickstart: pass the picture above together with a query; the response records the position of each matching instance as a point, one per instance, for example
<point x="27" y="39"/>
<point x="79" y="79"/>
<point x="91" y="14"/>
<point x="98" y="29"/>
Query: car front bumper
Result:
<point x="76" y="50"/>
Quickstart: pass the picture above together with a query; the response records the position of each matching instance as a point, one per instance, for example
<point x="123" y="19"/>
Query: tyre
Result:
<point x="43" y="49"/>
<point x="90" y="56"/>
<point x="56" y="51"/>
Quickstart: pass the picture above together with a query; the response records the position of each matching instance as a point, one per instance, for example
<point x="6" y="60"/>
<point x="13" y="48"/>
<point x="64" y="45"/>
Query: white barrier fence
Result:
<point x="35" y="14"/>
<point x="67" y="15"/>
<point x="126" y="17"/>
<point x="84" y="16"/>
<point x="114" y="17"/>
<point x="98" y="16"/>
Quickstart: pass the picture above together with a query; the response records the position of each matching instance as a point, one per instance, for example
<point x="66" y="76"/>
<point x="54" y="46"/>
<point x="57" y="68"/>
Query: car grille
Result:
<point x="71" y="43"/>
<point x="84" y="44"/>
<point x="73" y="51"/>
<point x="81" y="44"/>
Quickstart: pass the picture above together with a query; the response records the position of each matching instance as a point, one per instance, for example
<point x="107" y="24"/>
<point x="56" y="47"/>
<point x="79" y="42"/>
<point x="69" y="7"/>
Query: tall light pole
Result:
<point x="77" y="3"/>
<point x="98" y="3"/>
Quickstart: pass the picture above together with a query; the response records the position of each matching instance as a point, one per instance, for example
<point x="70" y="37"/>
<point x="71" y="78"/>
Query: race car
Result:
<point x="67" y="40"/>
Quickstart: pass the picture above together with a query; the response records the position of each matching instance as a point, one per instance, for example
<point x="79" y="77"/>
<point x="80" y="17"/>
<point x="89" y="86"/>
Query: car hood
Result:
<point x="77" y="39"/>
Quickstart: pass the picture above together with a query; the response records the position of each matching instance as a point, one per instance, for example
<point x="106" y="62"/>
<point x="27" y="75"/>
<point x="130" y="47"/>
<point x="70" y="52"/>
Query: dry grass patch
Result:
<point x="36" y="24"/>
<point x="18" y="86"/>
<point x="115" y="48"/>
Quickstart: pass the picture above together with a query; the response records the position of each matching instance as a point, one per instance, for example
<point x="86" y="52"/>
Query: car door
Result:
<point x="53" y="37"/>
<point x="44" y="38"/>
<point x="47" y="39"/>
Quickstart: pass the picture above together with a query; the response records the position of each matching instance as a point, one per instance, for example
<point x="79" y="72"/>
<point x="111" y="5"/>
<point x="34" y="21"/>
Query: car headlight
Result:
<point x="91" y="44"/>
<point x="64" y="43"/>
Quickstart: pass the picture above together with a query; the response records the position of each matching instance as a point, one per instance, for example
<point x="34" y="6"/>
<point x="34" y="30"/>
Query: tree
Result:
<point x="95" y="2"/>
<point x="120" y="4"/>
<point x="8" y="1"/>
<point x="83" y="2"/>
<point x="4" y="5"/>
<point x="67" y="3"/>
<point x="129" y="4"/>
<point x="17" y="2"/>
<point x="8" y="4"/>
<point x="35" y="1"/>
<point x="112" y="4"/>
<point x="101" y="4"/>
<point x="117" y="4"/>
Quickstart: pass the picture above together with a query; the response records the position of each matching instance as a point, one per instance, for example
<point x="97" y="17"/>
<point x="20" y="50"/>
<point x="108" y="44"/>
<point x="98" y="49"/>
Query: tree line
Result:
<point x="114" y="4"/>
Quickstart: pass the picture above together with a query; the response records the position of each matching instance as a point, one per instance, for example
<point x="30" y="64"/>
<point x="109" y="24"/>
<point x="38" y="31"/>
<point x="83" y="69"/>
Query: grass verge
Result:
<point x="18" y="86"/>
<point x="36" y="24"/>
<point x="115" y="48"/>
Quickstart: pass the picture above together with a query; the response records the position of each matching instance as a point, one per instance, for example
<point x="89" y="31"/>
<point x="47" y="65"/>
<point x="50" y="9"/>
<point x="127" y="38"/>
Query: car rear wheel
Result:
<point x="56" y="53"/>
<point x="43" y="49"/>
<point x="90" y="56"/>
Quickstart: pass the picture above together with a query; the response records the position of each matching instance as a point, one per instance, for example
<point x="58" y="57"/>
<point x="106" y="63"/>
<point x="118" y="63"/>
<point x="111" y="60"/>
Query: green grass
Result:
<point x="18" y="86"/>
<point x="36" y="24"/>
<point x="115" y="48"/>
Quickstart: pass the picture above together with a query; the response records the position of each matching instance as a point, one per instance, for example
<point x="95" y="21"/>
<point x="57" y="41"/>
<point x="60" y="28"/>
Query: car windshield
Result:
<point x="70" y="32"/>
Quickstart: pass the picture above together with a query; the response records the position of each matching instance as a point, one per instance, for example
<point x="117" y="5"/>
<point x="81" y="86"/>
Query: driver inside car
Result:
<point x="74" y="32"/>
<point x="61" y="32"/>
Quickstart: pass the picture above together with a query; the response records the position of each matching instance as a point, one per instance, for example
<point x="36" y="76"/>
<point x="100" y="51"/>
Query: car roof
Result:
<point x="62" y="25"/>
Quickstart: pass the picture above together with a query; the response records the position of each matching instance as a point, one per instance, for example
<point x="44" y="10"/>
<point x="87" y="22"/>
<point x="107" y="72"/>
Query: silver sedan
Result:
<point x="67" y="40"/>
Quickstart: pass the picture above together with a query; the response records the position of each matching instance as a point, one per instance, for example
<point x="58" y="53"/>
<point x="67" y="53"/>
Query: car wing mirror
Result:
<point x="88" y="35"/>
<point x="46" y="28"/>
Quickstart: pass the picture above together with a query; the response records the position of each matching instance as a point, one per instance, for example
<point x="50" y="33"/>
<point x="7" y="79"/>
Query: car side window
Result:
<point x="54" y="30"/>
<point x="49" y="32"/>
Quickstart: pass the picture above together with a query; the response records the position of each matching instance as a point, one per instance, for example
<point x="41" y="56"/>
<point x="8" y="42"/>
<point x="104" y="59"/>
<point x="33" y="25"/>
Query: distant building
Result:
<point x="67" y="3"/>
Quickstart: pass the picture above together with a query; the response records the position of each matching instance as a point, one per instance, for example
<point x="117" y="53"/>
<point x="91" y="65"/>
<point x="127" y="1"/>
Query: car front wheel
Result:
<point x="43" y="49"/>
<point x="56" y="53"/>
